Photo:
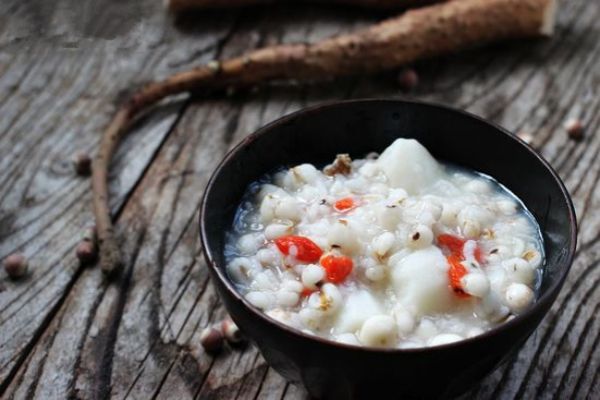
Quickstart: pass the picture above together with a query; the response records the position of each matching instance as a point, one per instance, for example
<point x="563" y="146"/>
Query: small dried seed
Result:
<point x="408" y="79"/>
<point x="211" y="340"/>
<point x="16" y="265"/>
<point x="87" y="252"/>
<point x="231" y="332"/>
<point x="574" y="129"/>
<point x="82" y="163"/>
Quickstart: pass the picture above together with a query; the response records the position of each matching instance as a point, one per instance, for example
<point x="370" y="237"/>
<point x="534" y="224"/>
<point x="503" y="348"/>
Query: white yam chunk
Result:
<point x="421" y="283"/>
<point x="379" y="331"/>
<point x="358" y="307"/>
<point x="407" y="164"/>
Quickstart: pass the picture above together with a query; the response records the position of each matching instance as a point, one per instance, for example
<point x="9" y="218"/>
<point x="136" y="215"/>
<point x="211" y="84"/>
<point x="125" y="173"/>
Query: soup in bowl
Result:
<point x="379" y="245"/>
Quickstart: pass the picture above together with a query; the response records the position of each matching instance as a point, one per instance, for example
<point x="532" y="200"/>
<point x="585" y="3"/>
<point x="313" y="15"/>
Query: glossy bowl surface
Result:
<point x="332" y="370"/>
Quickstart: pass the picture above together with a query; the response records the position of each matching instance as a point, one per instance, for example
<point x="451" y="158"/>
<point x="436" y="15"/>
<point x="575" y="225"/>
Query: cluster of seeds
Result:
<point x="389" y="251"/>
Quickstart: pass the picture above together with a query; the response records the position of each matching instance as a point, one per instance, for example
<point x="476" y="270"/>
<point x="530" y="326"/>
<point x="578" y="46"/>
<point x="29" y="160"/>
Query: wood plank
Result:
<point x="56" y="101"/>
<point x="139" y="337"/>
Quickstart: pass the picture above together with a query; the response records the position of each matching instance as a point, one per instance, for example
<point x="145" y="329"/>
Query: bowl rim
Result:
<point x="545" y="300"/>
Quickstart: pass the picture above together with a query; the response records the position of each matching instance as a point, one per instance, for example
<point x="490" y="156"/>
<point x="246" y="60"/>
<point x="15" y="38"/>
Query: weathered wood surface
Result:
<point x="65" y="332"/>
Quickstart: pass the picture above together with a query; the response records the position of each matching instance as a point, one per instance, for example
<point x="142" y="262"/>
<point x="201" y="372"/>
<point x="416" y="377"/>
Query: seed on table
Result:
<point x="574" y="129"/>
<point x="87" y="252"/>
<point x="16" y="265"/>
<point x="231" y="332"/>
<point x="211" y="340"/>
<point x="82" y="163"/>
<point x="408" y="79"/>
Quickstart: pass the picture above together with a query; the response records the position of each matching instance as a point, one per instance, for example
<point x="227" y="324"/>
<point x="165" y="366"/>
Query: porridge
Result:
<point x="394" y="250"/>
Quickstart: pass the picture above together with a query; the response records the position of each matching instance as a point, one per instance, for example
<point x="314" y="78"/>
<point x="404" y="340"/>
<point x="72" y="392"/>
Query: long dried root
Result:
<point x="414" y="35"/>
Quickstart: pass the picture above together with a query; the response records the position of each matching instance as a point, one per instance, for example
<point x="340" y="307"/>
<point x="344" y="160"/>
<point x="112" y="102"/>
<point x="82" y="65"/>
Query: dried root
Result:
<point x="414" y="35"/>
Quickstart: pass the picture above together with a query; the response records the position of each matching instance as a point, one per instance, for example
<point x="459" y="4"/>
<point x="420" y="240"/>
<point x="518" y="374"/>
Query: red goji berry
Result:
<point x="337" y="268"/>
<point x="455" y="273"/>
<point x="344" y="204"/>
<point x="300" y="247"/>
<point x="456" y="245"/>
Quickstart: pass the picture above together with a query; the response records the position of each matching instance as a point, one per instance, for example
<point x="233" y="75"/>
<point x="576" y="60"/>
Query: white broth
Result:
<point x="397" y="250"/>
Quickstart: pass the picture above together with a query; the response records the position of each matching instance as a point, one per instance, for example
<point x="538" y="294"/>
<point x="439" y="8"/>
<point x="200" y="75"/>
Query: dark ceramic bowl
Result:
<point x="332" y="370"/>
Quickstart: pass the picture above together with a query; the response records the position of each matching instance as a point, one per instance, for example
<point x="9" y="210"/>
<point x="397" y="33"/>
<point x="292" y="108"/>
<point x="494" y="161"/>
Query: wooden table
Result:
<point x="64" y="65"/>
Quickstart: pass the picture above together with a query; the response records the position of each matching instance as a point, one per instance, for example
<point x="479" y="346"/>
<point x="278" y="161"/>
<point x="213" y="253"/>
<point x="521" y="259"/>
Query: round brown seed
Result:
<point x="87" y="252"/>
<point x="16" y="265"/>
<point x="211" y="340"/>
<point x="82" y="164"/>
<point x="574" y="129"/>
<point x="408" y="79"/>
<point x="231" y="332"/>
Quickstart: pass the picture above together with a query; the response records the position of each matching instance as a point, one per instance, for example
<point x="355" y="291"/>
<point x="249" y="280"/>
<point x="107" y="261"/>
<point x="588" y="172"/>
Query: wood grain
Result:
<point x="66" y="333"/>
